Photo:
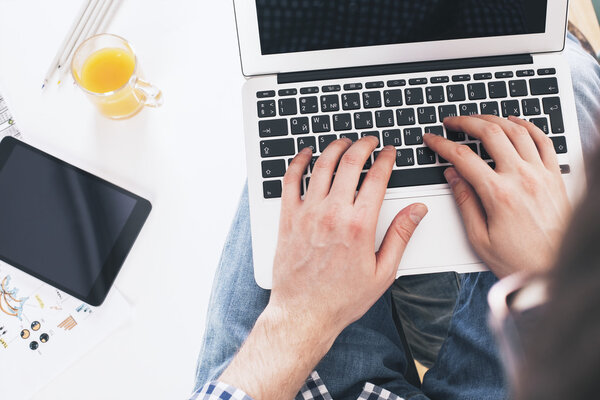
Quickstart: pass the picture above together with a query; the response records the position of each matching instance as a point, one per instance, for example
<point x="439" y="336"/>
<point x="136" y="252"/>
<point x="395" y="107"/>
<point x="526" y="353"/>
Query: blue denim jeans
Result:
<point x="370" y="350"/>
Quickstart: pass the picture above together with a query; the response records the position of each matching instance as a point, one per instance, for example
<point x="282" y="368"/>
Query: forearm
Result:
<point x="278" y="356"/>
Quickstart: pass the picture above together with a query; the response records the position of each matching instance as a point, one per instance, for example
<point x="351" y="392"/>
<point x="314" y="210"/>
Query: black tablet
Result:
<point x="63" y="225"/>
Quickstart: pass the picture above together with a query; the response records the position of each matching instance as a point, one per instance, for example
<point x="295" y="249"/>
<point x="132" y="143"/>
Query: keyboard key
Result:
<point x="368" y="164"/>
<point x="352" y="136"/>
<point x="476" y="91"/>
<point x="525" y="72"/>
<point x="425" y="156"/>
<point x="456" y="136"/>
<point x="490" y="108"/>
<point x="342" y="122"/>
<point x="546" y="71"/>
<point x="266" y="108"/>
<point x="482" y="151"/>
<point x="363" y="120"/>
<point x="543" y="86"/>
<point x="553" y="109"/>
<point x="455" y="92"/>
<point x="331" y="88"/>
<point x="325" y="141"/>
<point x="265" y="94"/>
<point x="435" y="94"/>
<point x="321" y="123"/>
<point x="288" y="107"/>
<point x="272" y="189"/>
<point x="309" y="90"/>
<point x="405" y="116"/>
<point x="468" y="109"/>
<point x="413" y="136"/>
<point x="518" y="88"/>
<point x="350" y="101"/>
<point x="435" y="130"/>
<point x="299" y="125"/>
<point x="392" y="137"/>
<point x="384" y="118"/>
<point x="497" y="90"/>
<point x="413" y="96"/>
<point x="503" y="74"/>
<point x="353" y="86"/>
<point x="372" y="99"/>
<point x="511" y="107"/>
<point x="312" y="163"/>
<point x="461" y="78"/>
<point x="447" y="111"/>
<point x="418" y="81"/>
<point x="396" y="83"/>
<point x="426" y="115"/>
<point x="440" y="79"/>
<point x="330" y="102"/>
<point x="565" y="169"/>
<point x="560" y="144"/>
<point x="541" y="123"/>
<point x="531" y="107"/>
<point x="481" y="77"/>
<point x="405" y="158"/>
<point x="273" y="168"/>
<point x="309" y="105"/>
<point x="473" y="147"/>
<point x="374" y="134"/>
<point x="272" y="127"/>
<point x="374" y="85"/>
<point x="287" y="92"/>
<point x="307" y="141"/>
<point x="277" y="148"/>
<point x="417" y="177"/>
<point x="392" y="98"/>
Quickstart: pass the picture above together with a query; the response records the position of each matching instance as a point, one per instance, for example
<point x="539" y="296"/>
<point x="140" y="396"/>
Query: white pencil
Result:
<point x="68" y="37"/>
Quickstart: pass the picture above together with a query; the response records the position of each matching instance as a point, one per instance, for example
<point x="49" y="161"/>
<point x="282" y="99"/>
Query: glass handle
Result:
<point x="153" y="96"/>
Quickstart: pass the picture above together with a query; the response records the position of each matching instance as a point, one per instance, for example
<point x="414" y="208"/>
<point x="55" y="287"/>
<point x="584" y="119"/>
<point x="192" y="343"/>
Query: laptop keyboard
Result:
<point x="398" y="112"/>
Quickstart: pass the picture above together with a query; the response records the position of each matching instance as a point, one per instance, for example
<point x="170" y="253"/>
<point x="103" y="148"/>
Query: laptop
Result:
<point x="321" y="70"/>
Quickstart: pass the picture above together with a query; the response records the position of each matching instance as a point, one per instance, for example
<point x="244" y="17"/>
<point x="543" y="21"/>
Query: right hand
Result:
<point x="515" y="214"/>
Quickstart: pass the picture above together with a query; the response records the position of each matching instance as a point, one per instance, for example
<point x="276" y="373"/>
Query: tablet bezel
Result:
<point x="254" y="63"/>
<point x="125" y="240"/>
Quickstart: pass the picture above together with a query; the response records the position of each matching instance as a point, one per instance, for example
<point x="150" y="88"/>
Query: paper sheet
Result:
<point x="43" y="330"/>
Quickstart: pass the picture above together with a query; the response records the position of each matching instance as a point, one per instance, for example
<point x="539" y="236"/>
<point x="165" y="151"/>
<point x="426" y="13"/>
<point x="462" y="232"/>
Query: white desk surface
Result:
<point x="186" y="157"/>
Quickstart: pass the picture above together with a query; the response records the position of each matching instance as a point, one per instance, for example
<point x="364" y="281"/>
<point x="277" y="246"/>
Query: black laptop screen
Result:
<point x="288" y="26"/>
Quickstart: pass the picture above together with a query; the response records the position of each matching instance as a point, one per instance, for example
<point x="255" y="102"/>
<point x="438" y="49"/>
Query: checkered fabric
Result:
<point x="313" y="389"/>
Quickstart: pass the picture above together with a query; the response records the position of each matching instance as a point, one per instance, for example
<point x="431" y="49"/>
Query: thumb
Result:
<point x="470" y="208"/>
<point x="396" y="238"/>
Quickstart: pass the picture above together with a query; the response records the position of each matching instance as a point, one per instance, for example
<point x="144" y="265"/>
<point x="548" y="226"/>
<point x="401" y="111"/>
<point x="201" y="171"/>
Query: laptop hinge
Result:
<point x="389" y="69"/>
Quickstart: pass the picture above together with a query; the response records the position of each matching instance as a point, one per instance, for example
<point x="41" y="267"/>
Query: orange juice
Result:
<point x="107" y="71"/>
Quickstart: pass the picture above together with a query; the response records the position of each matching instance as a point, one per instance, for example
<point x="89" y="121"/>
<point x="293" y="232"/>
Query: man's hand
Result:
<point x="326" y="269"/>
<point x="514" y="215"/>
<point x="326" y="272"/>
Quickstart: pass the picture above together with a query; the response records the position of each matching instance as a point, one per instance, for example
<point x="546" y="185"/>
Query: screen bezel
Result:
<point x="254" y="63"/>
<point x="121" y="248"/>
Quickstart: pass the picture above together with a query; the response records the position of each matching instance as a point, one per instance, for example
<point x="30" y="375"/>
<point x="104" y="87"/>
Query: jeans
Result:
<point x="370" y="350"/>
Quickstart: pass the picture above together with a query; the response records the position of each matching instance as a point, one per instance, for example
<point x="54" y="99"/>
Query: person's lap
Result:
<point x="370" y="349"/>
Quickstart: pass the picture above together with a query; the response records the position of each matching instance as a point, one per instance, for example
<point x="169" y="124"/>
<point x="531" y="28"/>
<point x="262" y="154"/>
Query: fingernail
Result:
<point x="389" y="148"/>
<point x="306" y="150"/>
<point x="417" y="212"/>
<point x="451" y="176"/>
<point x="347" y="140"/>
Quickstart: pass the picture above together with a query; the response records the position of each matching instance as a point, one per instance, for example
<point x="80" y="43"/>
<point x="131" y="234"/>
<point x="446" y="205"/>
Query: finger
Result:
<point x="372" y="191"/>
<point x="543" y="143"/>
<point x="292" y="180"/>
<point x="322" y="173"/>
<point x="470" y="207"/>
<point x="518" y="135"/>
<point x="469" y="164"/>
<point x="395" y="240"/>
<point x="491" y="135"/>
<point x="350" y="168"/>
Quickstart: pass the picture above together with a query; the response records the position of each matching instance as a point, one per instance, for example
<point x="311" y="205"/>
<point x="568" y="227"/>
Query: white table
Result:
<point x="186" y="157"/>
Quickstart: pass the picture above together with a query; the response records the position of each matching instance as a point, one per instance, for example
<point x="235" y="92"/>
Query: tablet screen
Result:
<point x="58" y="222"/>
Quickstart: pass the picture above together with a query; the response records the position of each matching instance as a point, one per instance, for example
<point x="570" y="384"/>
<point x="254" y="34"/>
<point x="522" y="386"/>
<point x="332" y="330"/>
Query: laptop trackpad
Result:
<point x="440" y="241"/>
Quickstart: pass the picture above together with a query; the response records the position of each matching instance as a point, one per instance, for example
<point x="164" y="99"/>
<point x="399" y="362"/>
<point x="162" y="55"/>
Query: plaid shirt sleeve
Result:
<point x="219" y="391"/>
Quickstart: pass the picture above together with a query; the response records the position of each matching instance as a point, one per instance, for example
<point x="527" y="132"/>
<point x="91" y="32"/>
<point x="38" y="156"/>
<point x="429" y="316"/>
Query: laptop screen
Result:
<point x="289" y="26"/>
